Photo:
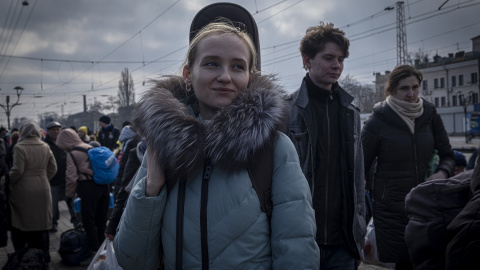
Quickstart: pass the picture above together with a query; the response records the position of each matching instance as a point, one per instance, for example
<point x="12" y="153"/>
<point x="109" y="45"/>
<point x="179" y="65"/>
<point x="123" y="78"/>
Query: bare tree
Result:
<point x="126" y="91"/>
<point x="421" y="55"/>
<point x="364" y="94"/>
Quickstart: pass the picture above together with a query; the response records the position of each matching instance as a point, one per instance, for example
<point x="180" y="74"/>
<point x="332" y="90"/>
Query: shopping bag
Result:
<point x="370" y="250"/>
<point x="105" y="258"/>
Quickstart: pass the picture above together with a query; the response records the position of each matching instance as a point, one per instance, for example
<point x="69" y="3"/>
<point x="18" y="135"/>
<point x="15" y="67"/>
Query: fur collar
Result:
<point x="181" y="141"/>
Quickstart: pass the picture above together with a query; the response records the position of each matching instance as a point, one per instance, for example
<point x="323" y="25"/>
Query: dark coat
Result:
<point x="108" y="136"/>
<point x="402" y="160"/>
<point x="61" y="159"/>
<point x="302" y="133"/>
<point x="463" y="250"/>
<point x="132" y="163"/>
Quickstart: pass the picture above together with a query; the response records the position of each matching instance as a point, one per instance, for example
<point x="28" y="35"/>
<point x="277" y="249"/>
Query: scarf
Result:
<point x="406" y="110"/>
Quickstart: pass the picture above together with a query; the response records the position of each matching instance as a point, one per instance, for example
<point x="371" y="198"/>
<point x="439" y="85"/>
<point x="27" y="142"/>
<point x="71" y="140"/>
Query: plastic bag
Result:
<point x="105" y="258"/>
<point x="370" y="249"/>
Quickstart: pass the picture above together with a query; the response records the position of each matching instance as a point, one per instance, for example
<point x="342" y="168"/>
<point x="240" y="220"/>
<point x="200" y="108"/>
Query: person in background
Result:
<point x="131" y="160"/>
<point x="83" y="134"/>
<point x="324" y="126"/>
<point x="30" y="198"/>
<point x="13" y="140"/>
<point x="201" y="153"/>
<point x="79" y="178"/>
<point x="460" y="162"/>
<point x="399" y="139"/>
<point x="57" y="183"/>
<point x="129" y="140"/>
<point x="108" y="134"/>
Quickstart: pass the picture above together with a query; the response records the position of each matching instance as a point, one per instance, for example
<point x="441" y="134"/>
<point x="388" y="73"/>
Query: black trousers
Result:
<point x="34" y="239"/>
<point x="94" y="209"/>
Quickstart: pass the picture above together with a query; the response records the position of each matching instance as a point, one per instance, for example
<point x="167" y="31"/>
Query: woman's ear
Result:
<point x="186" y="73"/>
<point x="186" y="77"/>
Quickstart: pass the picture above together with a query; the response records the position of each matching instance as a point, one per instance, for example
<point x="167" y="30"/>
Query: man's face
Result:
<point x="53" y="132"/>
<point x="102" y="124"/>
<point x="326" y="67"/>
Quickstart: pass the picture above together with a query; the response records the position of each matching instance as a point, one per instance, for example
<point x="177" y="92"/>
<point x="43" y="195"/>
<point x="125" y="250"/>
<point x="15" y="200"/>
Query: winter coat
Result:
<point x="402" y="159"/>
<point x="238" y="234"/>
<point x="60" y="157"/>
<point x="30" y="198"/>
<point x="129" y="140"/>
<point x="82" y="171"/>
<point x="463" y="250"/>
<point x="302" y="133"/>
<point x="108" y="136"/>
<point x="132" y="163"/>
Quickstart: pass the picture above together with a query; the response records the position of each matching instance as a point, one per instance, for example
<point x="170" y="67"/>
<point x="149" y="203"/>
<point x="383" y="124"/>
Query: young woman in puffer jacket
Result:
<point x="201" y="151"/>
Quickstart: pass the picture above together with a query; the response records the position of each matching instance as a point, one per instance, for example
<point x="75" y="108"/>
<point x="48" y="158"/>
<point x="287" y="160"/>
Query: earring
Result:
<point x="188" y="87"/>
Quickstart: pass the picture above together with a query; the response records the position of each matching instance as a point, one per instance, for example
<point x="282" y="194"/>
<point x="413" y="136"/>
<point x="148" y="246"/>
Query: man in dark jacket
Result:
<point x="324" y="126"/>
<point x="108" y="134"/>
<point x="57" y="183"/>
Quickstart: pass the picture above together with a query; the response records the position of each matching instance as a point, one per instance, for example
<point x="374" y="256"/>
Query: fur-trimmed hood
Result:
<point x="230" y="139"/>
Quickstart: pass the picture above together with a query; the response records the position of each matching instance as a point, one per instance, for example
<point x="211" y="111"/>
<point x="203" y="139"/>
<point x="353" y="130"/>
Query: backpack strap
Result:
<point x="260" y="171"/>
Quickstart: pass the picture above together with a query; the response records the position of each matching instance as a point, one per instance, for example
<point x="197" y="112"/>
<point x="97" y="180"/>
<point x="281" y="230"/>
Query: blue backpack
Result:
<point x="104" y="164"/>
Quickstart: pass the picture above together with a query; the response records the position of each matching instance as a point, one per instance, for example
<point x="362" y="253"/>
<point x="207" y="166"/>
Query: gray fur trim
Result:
<point x="230" y="139"/>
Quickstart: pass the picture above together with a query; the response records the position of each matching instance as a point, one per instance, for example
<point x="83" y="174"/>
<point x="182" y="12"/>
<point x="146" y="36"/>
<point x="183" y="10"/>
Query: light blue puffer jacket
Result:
<point x="239" y="234"/>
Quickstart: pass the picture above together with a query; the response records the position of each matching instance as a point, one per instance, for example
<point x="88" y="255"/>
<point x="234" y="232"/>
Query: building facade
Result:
<point x="452" y="84"/>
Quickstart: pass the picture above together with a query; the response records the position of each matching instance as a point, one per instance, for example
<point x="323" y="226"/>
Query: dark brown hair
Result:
<point x="400" y="72"/>
<point x="317" y="36"/>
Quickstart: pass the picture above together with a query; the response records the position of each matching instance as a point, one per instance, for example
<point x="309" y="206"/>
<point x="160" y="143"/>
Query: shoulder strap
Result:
<point x="80" y="149"/>
<point x="260" y="171"/>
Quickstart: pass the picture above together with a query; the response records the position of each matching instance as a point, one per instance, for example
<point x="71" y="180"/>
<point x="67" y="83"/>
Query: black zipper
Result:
<point x="207" y="171"/>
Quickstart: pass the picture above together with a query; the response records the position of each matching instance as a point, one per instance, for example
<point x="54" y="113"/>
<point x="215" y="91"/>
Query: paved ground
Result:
<point x="458" y="143"/>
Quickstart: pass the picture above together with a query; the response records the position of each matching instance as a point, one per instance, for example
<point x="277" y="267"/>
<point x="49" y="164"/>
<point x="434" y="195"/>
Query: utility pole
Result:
<point x="401" y="35"/>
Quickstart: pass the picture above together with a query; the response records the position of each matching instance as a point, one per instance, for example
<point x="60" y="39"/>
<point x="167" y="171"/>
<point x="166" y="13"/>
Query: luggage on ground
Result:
<point x="74" y="246"/>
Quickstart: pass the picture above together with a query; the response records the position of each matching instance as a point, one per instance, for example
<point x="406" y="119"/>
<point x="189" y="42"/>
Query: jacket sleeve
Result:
<point x="293" y="220"/>
<point x="369" y="143"/>
<point x="71" y="177"/>
<point x="442" y="144"/>
<point x="137" y="242"/>
<point x="18" y="168"/>
<point x="52" y="164"/>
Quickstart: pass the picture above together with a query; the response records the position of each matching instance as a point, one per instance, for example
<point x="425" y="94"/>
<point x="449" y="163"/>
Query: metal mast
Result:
<point x="401" y="35"/>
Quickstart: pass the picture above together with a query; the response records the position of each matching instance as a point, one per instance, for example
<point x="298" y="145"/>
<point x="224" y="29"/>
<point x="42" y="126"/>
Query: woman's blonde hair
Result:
<point x="222" y="26"/>
<point x="29" y="128"/>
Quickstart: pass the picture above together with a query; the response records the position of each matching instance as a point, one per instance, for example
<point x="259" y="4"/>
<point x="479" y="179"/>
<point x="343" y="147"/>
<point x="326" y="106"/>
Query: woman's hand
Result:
<point x="438" y="175"/>
<point x="155" y="175"/>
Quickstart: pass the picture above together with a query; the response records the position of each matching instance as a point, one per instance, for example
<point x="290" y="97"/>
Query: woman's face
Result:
<point x="219" y="72"/>
<point x="408" y="89"/>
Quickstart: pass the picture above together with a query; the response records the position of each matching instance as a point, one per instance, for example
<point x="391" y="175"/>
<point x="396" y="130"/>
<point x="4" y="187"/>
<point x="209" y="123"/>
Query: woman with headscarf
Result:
<point x="30" y="199"/>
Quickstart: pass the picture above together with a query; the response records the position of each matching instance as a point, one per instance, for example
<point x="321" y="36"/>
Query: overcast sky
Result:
<point x="60" y="50"/>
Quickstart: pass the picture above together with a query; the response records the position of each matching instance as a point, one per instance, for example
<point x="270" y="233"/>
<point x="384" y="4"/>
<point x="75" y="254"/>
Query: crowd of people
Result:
<point x="185" y="194"/>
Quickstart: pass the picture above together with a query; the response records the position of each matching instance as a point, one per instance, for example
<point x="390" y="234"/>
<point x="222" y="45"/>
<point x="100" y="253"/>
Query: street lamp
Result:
<point x="465" y="102"/>
<point x="7" y="108"/>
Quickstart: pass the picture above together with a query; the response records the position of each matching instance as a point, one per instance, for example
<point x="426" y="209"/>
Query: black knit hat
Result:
<point x="105" y="119"/>
<point x="231" y="11"/>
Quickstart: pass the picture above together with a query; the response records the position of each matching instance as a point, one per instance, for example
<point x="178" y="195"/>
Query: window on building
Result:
<point x="454" y="100"/>
<point x="436" y="102"/>
<point x="474" y="78"/>
<point x="460" y="80"/>
<point x="443" y="101"/>
<point x="475" y="98"/>
<point x="442" y="82"/>
<point x="425" y="85"/>
<point x="454" y="80"/>
<point x="435" y="83"/>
